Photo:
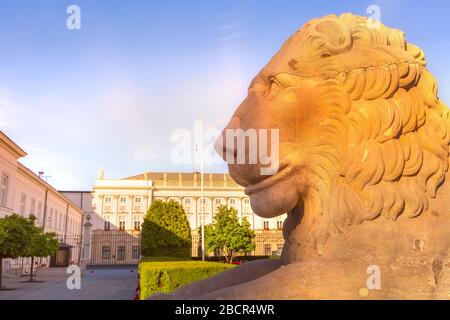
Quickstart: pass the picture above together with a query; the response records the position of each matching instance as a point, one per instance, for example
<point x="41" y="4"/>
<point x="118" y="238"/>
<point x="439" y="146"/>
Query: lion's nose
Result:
<point x="220" y="146"/>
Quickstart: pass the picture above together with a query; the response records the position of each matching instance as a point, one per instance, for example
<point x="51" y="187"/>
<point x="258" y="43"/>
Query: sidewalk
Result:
<point x="96" y="284"/>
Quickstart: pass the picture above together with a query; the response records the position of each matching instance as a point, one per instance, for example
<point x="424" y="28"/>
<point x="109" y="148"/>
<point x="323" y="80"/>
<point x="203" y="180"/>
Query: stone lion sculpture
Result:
<point x="364" y="155"/>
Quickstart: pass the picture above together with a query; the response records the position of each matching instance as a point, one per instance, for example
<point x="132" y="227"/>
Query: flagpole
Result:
<point x="202" y="191"/>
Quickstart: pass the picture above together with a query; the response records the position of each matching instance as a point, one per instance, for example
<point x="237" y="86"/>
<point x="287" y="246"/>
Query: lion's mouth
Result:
<point x="268" y="181"/>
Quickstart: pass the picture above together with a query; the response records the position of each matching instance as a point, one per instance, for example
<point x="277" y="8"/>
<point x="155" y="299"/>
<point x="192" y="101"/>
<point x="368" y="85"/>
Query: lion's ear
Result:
<point x="329" y="37"/>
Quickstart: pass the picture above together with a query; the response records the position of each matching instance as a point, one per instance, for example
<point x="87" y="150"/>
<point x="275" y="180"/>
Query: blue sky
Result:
<point x="111" y="94"/>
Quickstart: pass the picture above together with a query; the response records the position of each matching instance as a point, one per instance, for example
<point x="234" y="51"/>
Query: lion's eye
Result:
<point x="275" y="87"/>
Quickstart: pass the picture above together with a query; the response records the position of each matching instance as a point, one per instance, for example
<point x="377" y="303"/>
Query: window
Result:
<point x="33" y="207"/>
<point x="267" y="249"/>
<point x="204" y="201"/>
<point x="4" y="190"/>
<point x="137" y="225"/>
<point x="266" y="225"/>
<point x="23" y="200"/>
<point x="123" y="199"/>
<point x="122" y="225"/>
<point x="107" y="225"/>
<point x="280" y="248"/>
<point x="187" y="200"/>
<point x="56" y="219"/>
<point x="136" y="252"/>
<point x="137" y="200"/>
<point x="218" y="201"/>
<point x="39" y="211"/>
<point x="121" y="253"/>
<point x="62" y="221"/>
<point x="107" y="199"/>
<point x="279" y="225"/>
<point x="49" y="217"/>
<point x="232" y="201"/>
<point x="106" y="252"/>
<point x="246" y="201"/>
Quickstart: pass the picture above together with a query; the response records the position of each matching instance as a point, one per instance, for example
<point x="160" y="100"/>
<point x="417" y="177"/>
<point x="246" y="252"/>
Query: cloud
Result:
<point x="230" y="36"/>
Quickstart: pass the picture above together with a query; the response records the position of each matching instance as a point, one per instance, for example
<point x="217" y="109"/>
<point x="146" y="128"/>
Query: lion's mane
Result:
<point x="384" y="150"/>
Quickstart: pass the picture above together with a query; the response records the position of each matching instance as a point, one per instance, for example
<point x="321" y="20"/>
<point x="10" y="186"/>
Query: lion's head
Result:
<point x="363" y="134"/>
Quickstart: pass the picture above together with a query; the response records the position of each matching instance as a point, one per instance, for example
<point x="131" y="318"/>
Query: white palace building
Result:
<point x="121" y="204"/>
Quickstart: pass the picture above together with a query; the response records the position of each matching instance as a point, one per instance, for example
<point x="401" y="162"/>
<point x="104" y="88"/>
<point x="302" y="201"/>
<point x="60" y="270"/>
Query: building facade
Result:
<point x="121" y="204"/>
<point x="117" y="205"/>
<point x="25" y="193"/>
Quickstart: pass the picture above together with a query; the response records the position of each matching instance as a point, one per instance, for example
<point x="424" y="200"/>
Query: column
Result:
<point x="213" y="211"/>
<point x="115" y="215"/>
<point x="253" y="220"/>
<point x="131" y="216"/>
<point x="211" y="215"/>
<point x="242" y="209"/>
<point x="196" y="199"/>
<point x="87" y="243"/>
<point x="147" y="203"/>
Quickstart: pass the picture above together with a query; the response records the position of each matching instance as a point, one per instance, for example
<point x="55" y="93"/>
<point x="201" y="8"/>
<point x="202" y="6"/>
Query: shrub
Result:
<point x="167" y="276"/>
<point x="166" y="231"/>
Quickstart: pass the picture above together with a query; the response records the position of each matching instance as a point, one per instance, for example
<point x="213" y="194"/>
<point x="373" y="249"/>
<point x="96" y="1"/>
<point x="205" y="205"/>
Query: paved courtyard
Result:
<point x="96" y="284"/>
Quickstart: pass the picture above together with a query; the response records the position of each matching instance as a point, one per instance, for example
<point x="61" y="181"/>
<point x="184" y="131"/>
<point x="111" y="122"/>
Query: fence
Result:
<point x="115" y="248"/>
<point x="69" y="252"/>
<point x="122" y="248"/>
<point x="267" y="243"/>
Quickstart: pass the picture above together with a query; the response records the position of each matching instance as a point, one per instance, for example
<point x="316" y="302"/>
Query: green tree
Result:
<point x="228" y="236"/>
<point x="42" y="244"/>
<point x="2" y="234"/>
<point x="18" y="232"/>
<point x="166" y="231"/>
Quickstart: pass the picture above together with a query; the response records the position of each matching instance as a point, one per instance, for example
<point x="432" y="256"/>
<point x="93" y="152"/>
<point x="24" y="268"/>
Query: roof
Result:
<point x="11" y="145"/>
<point x="19" y="152"/>
<point x="47" y="186"/>
<point x="185" y="179"/>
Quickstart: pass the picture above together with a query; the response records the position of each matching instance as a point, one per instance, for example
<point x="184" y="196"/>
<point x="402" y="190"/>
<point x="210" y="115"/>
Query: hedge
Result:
<point x="238" y="258"/>
<point x="167" y="276"/>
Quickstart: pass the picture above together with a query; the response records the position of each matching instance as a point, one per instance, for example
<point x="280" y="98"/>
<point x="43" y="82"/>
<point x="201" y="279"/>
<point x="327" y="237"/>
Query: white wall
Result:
<point x="8" y="166"/>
